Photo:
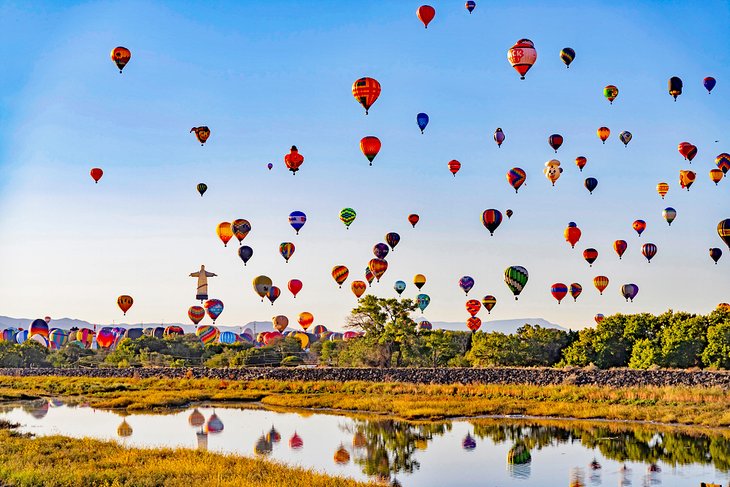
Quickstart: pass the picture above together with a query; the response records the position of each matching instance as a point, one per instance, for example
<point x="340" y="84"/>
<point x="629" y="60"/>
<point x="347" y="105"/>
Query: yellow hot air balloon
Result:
<point x="419" y="280"/>
<point x="603" y="133"/>
<point x="261" y="285"/>
<point x="662" y="189"/>
<point x="716" y="175"/>
<point x="225" y="233"/>
<point x="552" y="170"/>
<point x="358" y="288"/>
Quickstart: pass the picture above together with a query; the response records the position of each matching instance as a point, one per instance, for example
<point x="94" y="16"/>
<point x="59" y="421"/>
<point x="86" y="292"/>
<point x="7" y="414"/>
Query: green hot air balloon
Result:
<point x="516" y="278"/>
<point x="347" y="215"/>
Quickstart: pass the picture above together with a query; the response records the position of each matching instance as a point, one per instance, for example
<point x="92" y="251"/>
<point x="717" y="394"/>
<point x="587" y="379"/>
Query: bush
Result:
<point x="292" y="361"/>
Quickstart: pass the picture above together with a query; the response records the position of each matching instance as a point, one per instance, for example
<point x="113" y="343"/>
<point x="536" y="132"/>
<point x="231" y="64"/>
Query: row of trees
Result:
<point x="393" y="339"/>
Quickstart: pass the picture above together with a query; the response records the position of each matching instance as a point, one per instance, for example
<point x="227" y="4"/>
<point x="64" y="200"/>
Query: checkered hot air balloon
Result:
<point x="366" y="91"/>
<point x="723" y="162"/>
<point x="347" y="216"/>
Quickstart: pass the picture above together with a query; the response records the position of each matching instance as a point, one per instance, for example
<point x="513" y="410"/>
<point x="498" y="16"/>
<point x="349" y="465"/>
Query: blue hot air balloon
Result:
<point x="423" y="301"/>
<point x="709" y="83"/>
<point x="591" y="184"/>
<point x="297" y="219"/>
<point x="399" y="287"/>
<point x="245" y="253"/>
<point x="422" y="120"/>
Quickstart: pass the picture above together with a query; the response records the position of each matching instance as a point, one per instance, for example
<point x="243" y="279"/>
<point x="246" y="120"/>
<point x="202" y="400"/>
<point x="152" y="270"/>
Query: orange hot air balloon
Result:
<point x="425" y="14"/>
<point x="225" y="233"/>
<point x="687" y="150"/>
<point x="370" y="146"/>
<point x="378" y="267"/>
<point x="601" y="283"/>
<point x="413" y="219"/>
<point x="454" y="166"/>
<point x="202" y="133"/>
<point x="121" y="56"/>
<point x="358" y="288"/>
<point x="686" y="178"/>
<point x="620" y="247"/>
<point x="125" y="302"/>
<point x="581" y="162"/>
<point x="473" y="323"/>
<point x="662" y="189"/>
<point x="572" y="234"/>
<point x="305" y="320"/>
<point x="340" y="273"/>
<point x="522" y="56"/>
<point x="716" y="175"/>
<point x="366" y="91"/>
<point x="603" y="133"/>
<point x="639" y="226"/>
<point x="97" y="173"/>
<point x="473" y="306"/>
<point x="293" y="159"/>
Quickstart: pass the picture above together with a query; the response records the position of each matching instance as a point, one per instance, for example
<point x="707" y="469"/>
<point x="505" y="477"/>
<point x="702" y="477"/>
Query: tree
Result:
<point x="717" y="352"/>
<point x="644" y="354"/>
<point x="683" y="341"/>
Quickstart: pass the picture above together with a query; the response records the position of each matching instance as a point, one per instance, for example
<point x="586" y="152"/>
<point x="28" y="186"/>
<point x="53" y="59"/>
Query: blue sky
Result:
<point x="266" y="75"/>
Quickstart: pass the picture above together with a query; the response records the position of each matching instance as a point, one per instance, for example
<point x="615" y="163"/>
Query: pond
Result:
<point x="475" y="452"/>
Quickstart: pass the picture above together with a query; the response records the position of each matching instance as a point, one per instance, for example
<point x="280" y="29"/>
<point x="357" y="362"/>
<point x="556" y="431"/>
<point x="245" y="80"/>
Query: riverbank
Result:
<point x="56" y="461"/>
<point x="705" y="406"/>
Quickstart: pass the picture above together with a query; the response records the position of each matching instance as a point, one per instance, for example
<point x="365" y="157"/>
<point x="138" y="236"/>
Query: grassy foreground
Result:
<point x="679" y="405"/>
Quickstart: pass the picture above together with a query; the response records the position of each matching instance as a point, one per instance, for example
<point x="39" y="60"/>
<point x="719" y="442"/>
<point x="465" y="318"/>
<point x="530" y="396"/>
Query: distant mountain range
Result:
<point x="503" y="326"/>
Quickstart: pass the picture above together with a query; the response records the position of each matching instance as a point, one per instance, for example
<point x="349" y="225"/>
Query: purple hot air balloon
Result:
<point x="466" y="283"/>
<point x="629" y="291"/>
<point x="381" y="250"/>
<point x="270" y="166"/>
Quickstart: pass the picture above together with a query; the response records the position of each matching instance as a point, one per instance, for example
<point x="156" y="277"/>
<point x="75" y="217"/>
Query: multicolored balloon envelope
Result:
<point x="473" y="306"/>
<point x="572" y="234"/>
<point x="567" y="55"/>
<point x="516" y="278"/>
<point x="121" y="56"/>
<point x="207" y="334"/>
<point x="648" y="250"/>
<point x="491" y="219"/>
<point x="297" y="219"/>
<point x="559" y="291"/>
<point x="305" y="320"/>
<point x="419" y="280"/>
<point x="366" y="91"/>
<point x="392" y="239"/>
<point x="378" y="267"/>
<point x="522" y="56"/>
<point x="466" y="283"/>
<point x="201" y="133"/>
<point x="675" y="87"/>
<point x="339" y="274"/>
<point x="214" y="307"/>
<point x="709" y="83"/>
<point x="516" y="177"/>
<point x="286" y="249"/>
<point x="39" y="327"/>
<point x="499" y="137"/>
<point x="423" y="301"/>
<point x="347" y="216"/>
<point x="575" y="290"/>
<point x="723" y="230"/>
<point x="224" y="232"/>
<point x="473" y="323"/>
<point x="669" y="214"/>
<point x="629" y="291"/>
<point x="273" y="294"/>
<point x="380" y="250"/>
<point x="358" y="288"/>
<point x="601" y="283"/>
<point x="370" y="147"/>
<point x="489" y="302"/>
<point x="639" y="226"/>
<point x="125" y="302"/>
<point x="196" y="314"/>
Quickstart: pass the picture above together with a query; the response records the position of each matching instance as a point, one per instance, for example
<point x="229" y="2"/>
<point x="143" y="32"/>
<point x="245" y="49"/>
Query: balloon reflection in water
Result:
<point x="468" y="443"/>
<point x="214" y="424"/>
<point x="263" y="446"/>
<point x="342" y="456"/>
<point x="518" y="461"/>
<point x="124" y="430"/>
<point x="196" y="419"/>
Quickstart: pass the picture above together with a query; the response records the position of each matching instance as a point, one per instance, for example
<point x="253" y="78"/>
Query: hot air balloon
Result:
<point x="378" y="267"/>
<point x="202" y="188"/>
<point x="572" y="234"/>
<point x="297" y="219"/>
<point x="629" y="291"/>
<point x="473" y="306"/>
<point x="206" y="333"/>
<point x="688" y="151"/>
<point x="723" y="162"/>
<point x="392" y="239"/>
<point x="96" y="174"/>
<point x="339" y="274"/>
<point x="286" y="249"/>
<point x="422" y="121"/>
<point x="399" y="287"/>
<point x="601" y="283"/>
<point x="575" y="290"/>
<point x="369" y="276"/>
<point x="293" y="160"/>
<point x="716" y="175"/>
<point x="552" y="170"/>
<point x="296" y="442"/>
<point x="245" y="253"/>
<point x="610" y="92"/>
<point x="280" y="323"/>
<point x="620" y="247"/>
<point x="370" y="146"/>
<point x="603" y="133"/>
<point x="675" y="87"/>
<point x="240" y="229"/>
<point x="366" y="91"/>
<point x="305" y="320"/>
<point x="270" y="166"/>
<point x="639" y="226"/>
<point x="669" y="215"/>
<point x="509" y="213"/>
<point x="358" y="288"/>
<point x="214" y="307"/>
<point x="590" y="256"/>
<point x="471" y="5"/>
<point x="347" y="216"/>
<point x="294" y="286"/>
<point x="581" y="162"/>
<point x="516" y="278"/>
<point x="555" y="141"/>
<point x="591" y="184"/>
<point x="425" y="14"/>
<point x="648" y="250"/>
<point x="196" y="314"/>
<point x="225" y="233"/>
<point x="567" y="54"/>
<point x="715" y="254"/>
<point x="662" y="189"/>
<point x="57" y="338"/>
<point x="454" y="166"/>
<point x="709" y="84"/>
<point x="423" y="301"/>
<point x="121" y="56"/>
<point x="413" y="219"/>
<point x="38" y="327"/>
<point x="499" y="137"/>
<point x="723" y="230"/>
<point x="522" y="56"/>
<point x="419" y="280"/>
<point x="559" y="291"/>
<point x="466" y="283"/>
<point x="625" y="137"/>
<point x="380" y="250"/>
<point x="201" y="133"/>
<point x="516" y="177"/>
<point x="261" y="285"/>
<point x="598" y="318"/>
<point x="686" y="178"/>
<point x="473" y="323"/>
<point x="491" y="219"/>
<point x="489" y="302"/>
<point x="425" y="326"/>
<point x="125" y="302"/>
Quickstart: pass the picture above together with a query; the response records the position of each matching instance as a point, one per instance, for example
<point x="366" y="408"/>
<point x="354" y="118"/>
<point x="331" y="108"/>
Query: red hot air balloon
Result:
<point x="601" y="283"/>
<point x="96" y="174"/>
<point x="293" y="159"/>
<point x="639" y="226"/>
<point x="620" y="247"/>
<point x="196" y="314"/>
<point x="559" y="291"/>
<point x="581" y="162"/>
<point x="649" y="251"/>
<point x="572" y="234"/>
<point x="413" y="219"/>
<point x="454" y="166"/>
<point x="590" y="255"/>
<point x="516" y="177"/>
<point x="687" y="150"/>
<point x="555" y="141"/>
<point x="378" y="267"/>
<point x="370" y="146"/>
<point x="522" y="56"/>
<point x="598" y="318"/>
<point x="294" y="285"/>
<point x="366" y="91"/>
<point x="473" y="323"/>
<point x="473" y="306"/>
<point x="425" y="14"/>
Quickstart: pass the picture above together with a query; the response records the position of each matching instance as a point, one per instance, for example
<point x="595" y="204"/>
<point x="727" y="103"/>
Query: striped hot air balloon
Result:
<point x="516" y="177"/>
<point x="516" y="278"/>
<point x="559" y="291"/>
<point x="347" y="216"/>
<point x="339" y="274"/>
<point x="366" y="91"/>
<point x="601" y="283"/>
